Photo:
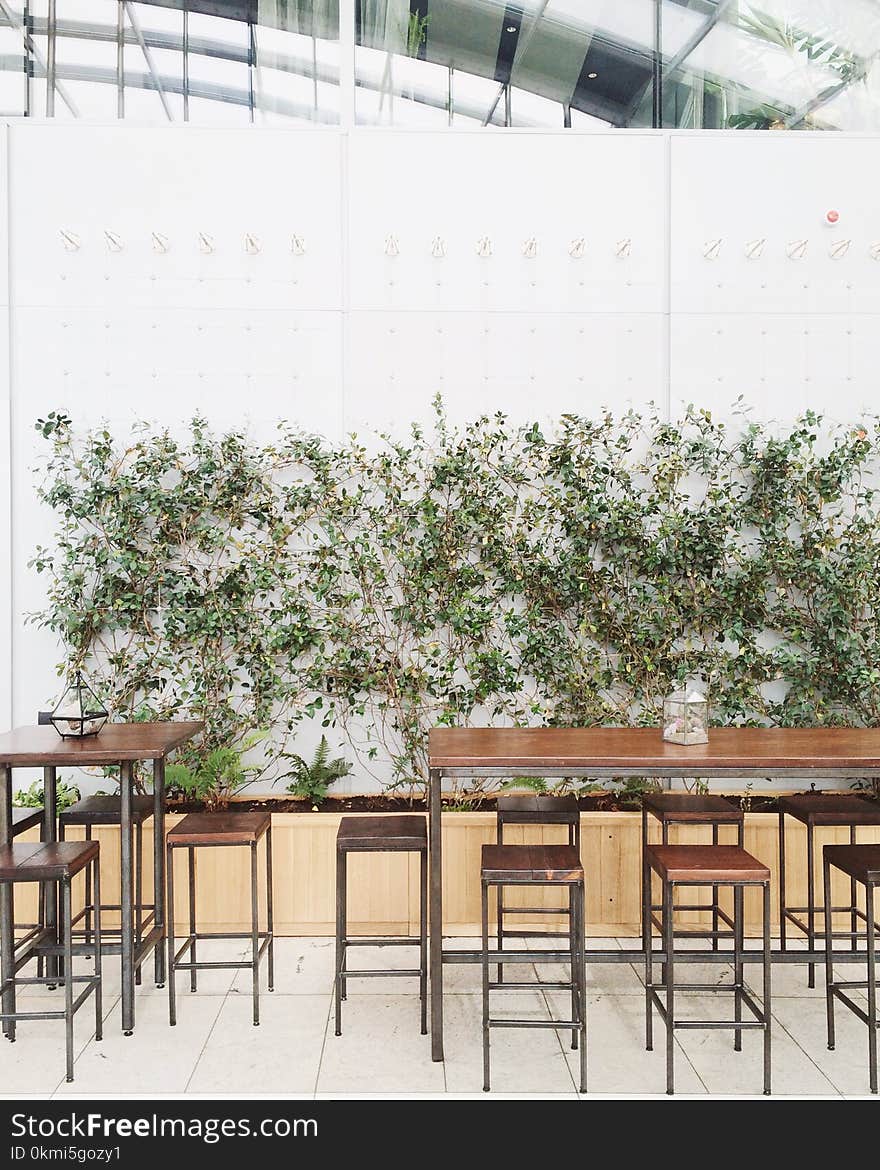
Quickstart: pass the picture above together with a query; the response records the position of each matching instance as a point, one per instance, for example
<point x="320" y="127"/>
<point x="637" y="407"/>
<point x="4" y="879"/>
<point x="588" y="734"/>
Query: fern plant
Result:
<point x="311" y="781"/>
<point x="218" y="776"/>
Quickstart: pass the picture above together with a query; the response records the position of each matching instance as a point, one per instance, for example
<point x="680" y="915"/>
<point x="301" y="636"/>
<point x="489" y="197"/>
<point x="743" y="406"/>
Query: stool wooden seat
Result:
<point x="92" y="811"/>
<point x="220" y="830"/>
<point x="26" y="818"/>
<point x="705" y="864"/>
<point x="689" y="808"/>
<point x="695" y="865"/>
<point x="245" y="828"/>
<point x="862" y="864"/>
<point x="398" y="833"/>
<point x="512" y="864"/>
<point x="695" y="809"/>
<point x="105" y="810"/>
<point x="45" y="861"/>
<point x="817" y="810"/>
<point x="537" y="865"/>
<point x="404" y="833"/>
<point x="58" y="862"/>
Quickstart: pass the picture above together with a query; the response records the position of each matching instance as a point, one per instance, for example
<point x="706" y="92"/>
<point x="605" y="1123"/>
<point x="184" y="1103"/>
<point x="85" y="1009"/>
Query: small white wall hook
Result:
<point x="530" y="248"/>
<point x="392" y="247"/>
<point x="438" y="248"/>
<point x="161" y="243"/>
<point x="577" y="248"/>
<point x="755" y="248"/>
<point x="70" y="240"/>
<point x="623" y="248"/>
<point x="874" y="250"/>
<point x="206" y="243"/>
<point x="839" y="249"/>
<point x="796" y="249"/>
<point x="252" y="244"/>
<point x="712" y="249"/>
<point x="484" y="247"/>
<point x="297" y="245"/>
<point x="113" y="240"/>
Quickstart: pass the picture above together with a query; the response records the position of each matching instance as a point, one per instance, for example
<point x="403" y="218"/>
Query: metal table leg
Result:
<point x="159" y="868"/>
<point x="434" y="808"/>
<point x="50" y="832"/>
<point x="127" y="899"/>
<point x="7" y="938"/>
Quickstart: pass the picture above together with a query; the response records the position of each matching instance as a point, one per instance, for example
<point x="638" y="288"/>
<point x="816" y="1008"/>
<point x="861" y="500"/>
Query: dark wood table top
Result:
<point x="115" y="744"/>
<point x="643" y="747"/>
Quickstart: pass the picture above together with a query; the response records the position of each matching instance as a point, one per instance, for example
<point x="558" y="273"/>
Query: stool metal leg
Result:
<point x="853" y="893"/>
<point x="579" y="927"/>
<point x="738" y="970"/>
<point x="170" y="975"/>
<point x="138" y="892"/>
<point x="99" y="1011"/>
<point x="646" y="890"/>
<point x="669" y="974"/>
<point x="7" y="950"/>
<point x="499" y="905"/>
<point x="872" y="988"/>
<point x="649" y="957"/>
<point x="782" y="938"/>
<point x="67" y="927"/>
<point x="767" y="1002"/>
<point x="191" y="878"/>
<point x="423" y="937"/>
<point x="829" y="951"/>
<point x="270" y="914"/>
<point x="715" y="920"/>
<point x="255" y="933"/>
<point x="574" y="960"/>
<point x="811" y="904"/>
<point x="484" y="921"/>
<point x="340" y="934"/>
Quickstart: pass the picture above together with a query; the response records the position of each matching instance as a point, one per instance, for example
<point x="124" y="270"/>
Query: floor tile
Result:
<point x="156" y="1057"/>
<point x="847" y="1066"/>
<point x="35" y="1063"/>
<point x="282" y="1055"/>
<point x="524" y="1060"/>
<point x="381" y="1049"/>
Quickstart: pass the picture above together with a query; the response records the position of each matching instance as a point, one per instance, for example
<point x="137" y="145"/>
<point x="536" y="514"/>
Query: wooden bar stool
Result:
<point x="538" y="865"/>
<point x="686" y="808"/>
<point x="862" y="864"/>
<point x="57" y="862"/>
<point x="220" y="831"/>
<point x="24" y="819"/>
<point x="821" y="810"/>
<point x="107" y="810"/>
<point x="405" y="833"/>
<point x="704" y="865"/>
<point x="533" y="809"/>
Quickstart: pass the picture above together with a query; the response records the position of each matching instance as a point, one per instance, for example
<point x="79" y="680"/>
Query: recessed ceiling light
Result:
<point x="592" y="75"/>
<point x="511" y="28"/>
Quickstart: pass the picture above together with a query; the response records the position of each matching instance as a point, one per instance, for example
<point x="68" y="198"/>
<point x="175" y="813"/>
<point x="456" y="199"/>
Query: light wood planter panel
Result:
<point x="384" y="888"/>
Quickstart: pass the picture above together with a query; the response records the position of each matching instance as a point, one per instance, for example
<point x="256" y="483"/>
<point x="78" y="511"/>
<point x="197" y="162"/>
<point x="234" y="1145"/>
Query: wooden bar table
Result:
<point x="604" y="753"/>
<point x="121" y="744"/>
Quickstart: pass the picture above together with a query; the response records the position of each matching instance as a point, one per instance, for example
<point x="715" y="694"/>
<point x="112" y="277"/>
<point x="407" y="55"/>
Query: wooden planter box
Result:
<point x="384" y="888"/>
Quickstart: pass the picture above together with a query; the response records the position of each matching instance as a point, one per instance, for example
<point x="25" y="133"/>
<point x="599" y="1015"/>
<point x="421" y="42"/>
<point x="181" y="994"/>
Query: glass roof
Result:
<point x="596" y="64"/>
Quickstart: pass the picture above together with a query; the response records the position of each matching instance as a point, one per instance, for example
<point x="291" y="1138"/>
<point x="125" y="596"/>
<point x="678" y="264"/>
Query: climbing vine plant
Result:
<point x="488" y="573"/>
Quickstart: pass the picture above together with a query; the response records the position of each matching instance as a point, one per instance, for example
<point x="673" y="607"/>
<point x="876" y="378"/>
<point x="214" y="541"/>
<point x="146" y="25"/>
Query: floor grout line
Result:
<point x="330" y="1014"/>
<point x="797" y="1044"/>
<point x="207" y="1038"/>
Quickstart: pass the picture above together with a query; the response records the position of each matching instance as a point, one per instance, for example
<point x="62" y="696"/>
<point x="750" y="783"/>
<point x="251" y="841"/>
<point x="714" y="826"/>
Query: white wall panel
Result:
<point x="553" y="188"/>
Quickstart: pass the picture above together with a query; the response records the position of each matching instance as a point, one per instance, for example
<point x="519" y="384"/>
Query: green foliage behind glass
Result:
<point x="491" y="573"/>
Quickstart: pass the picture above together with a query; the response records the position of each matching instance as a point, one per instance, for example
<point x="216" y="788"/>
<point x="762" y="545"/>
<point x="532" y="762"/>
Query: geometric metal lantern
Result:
<point x="686" y="717"/>
<point x="79" y="712"/>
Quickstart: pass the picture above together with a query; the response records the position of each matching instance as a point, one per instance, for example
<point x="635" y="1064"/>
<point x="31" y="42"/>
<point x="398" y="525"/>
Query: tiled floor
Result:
<point x="215" y="1051"/>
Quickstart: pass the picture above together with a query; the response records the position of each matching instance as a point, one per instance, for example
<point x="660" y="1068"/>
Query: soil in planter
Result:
<point x="591" y="802"/>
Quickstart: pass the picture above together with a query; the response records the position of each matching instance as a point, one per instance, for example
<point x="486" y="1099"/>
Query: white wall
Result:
<point x="345" y="336"/>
